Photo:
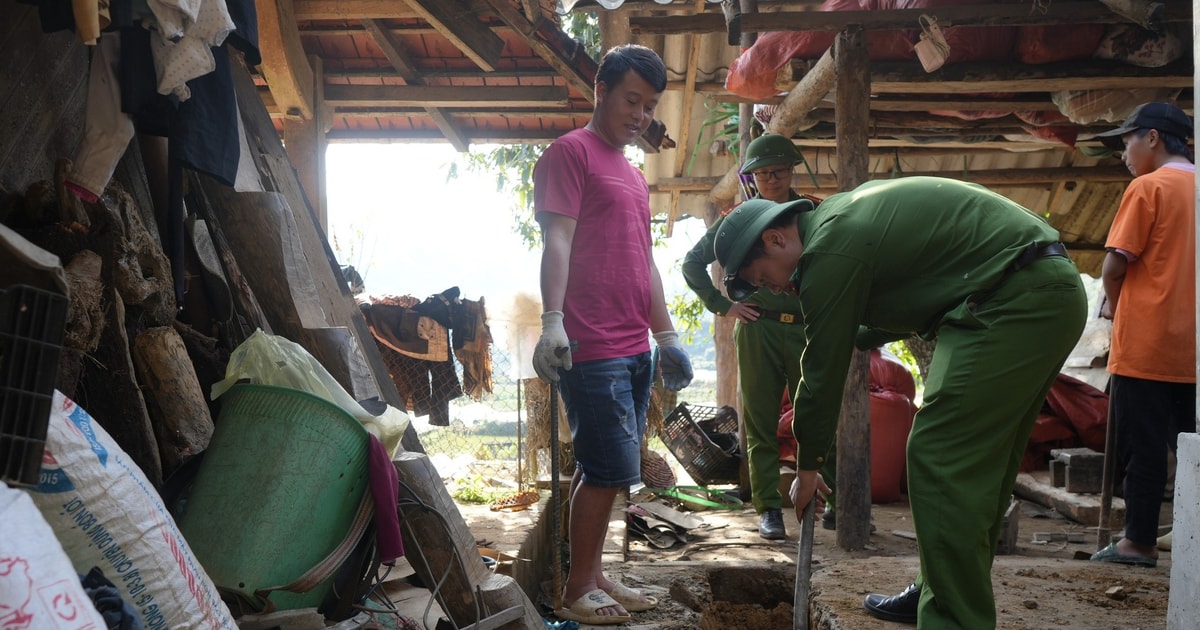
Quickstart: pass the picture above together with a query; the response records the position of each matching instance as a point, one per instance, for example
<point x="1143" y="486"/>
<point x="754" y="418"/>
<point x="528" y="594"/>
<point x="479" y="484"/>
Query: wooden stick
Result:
<point x="804" y="568"/>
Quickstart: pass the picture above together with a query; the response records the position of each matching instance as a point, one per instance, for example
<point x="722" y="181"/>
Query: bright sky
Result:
<point x="395" y="217"/>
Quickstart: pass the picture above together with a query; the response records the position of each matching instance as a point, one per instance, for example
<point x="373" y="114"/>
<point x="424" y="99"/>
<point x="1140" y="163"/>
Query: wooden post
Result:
<point x="304" y="140"/>
<point x="614" y="28"/>
<point x="854" y="428"/>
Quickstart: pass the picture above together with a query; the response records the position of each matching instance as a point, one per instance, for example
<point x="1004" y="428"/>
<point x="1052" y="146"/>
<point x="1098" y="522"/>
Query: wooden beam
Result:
<point x="992" y="178"/>
<point x="305" y="143"/>
<point x="989" y="14"/>
<point x="689" y="94"/>
<point x="284" y="64"/>
<point x="393" y="49"/>
<point x="960" y="78"/>
<point x="463" y="28"/>
<point x="986" y="146"/>
<point x="554" y="46"/>
<point x="352" y="9"/>
<point x="426" y="73"/>
<point x="533" y="9"/>
<point x="443" y="96"/>
<point x="433" y="136"/>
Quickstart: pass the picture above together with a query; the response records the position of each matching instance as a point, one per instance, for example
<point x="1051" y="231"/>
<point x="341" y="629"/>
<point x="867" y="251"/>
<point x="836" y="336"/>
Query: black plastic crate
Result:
<point x="704" y="439"/>
<point x="32" y="324"/>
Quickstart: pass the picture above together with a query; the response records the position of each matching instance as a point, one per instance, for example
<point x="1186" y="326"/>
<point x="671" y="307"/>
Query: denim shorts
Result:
<point x="606" y="403"/>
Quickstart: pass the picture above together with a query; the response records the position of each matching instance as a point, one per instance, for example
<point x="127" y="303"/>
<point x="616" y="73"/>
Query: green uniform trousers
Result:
<point x="992" y="368"/>
<point x="768" y="357"/>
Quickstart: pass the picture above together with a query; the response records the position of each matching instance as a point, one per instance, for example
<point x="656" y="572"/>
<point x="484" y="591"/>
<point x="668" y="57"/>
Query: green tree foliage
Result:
<point x="512" y="166"/>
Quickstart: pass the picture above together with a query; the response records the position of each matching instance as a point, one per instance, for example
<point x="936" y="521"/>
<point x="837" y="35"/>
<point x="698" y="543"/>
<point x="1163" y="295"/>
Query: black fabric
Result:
<point x="117" y="613"/>
<point x="1036" y="252"/>
<point x="1149" y="417"/>
<point x="245" y="38"/>
<point x="205" y="126"/>
<point x="396" y="326"/>
<point x="440" y="306"/>
<point x="55" y="15"/>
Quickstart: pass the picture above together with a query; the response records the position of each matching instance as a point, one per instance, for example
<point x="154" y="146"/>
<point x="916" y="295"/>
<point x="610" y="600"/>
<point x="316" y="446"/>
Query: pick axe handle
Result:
<point x="804" y="568"/>
<point x="555" y="501"/>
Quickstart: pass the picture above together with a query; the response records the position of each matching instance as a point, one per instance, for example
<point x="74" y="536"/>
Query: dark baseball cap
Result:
<point x="1164" y="117"/>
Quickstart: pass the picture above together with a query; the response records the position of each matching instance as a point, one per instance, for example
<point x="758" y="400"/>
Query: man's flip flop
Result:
<point x="583" y="610"/>
<point x="1109" y="554"/>
<point x="631" y="599"/>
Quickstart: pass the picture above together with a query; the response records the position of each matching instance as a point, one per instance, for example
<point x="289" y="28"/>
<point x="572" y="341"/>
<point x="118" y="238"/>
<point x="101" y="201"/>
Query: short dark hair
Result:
<point x="1172" y="143"/>
<point x="621" y="59"/>
<point x="759" y="248"/>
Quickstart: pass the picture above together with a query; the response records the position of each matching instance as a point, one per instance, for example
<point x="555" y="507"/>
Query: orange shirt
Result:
<point x="1154" y="328"/>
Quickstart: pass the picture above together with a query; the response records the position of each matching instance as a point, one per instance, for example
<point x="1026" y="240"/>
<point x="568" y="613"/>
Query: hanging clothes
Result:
<point x="473" y="347"/>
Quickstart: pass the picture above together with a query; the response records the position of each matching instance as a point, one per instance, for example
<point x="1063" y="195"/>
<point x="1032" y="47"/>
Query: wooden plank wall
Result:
<point x="43" y="93"/>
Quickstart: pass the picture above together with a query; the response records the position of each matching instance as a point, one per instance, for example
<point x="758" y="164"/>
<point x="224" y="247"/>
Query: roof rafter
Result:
<point x="908" y="78"/>
<point x="284" y="62"/>
<point x="443" y="96"/>
<point x="462" y="26"/>
<point x="393" y="49"/>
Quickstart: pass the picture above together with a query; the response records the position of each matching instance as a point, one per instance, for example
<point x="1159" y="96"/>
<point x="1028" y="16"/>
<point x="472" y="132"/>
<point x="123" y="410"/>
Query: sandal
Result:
<point x="1109" y="554"/>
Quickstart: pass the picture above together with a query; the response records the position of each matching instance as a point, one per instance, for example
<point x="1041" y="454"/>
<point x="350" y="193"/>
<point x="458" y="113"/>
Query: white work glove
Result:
<point x="672" y="360"/>
<point x="553" y="349"/>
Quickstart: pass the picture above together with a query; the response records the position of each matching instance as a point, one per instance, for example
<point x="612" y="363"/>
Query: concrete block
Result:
<point x="1183" y="608"/>
<point x="1058" y="473"/>
<point x="1085" y="477"/>
<point x="1076" y="455"/>
<point x="1008" y="529"/>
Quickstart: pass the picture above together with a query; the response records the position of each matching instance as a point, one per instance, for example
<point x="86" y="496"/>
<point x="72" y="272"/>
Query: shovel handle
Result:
<point x="804" y="568"/>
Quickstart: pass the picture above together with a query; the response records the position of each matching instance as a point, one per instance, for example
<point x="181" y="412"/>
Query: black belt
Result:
<point x="1035" y="252"/>
<point x="786" y="318"/>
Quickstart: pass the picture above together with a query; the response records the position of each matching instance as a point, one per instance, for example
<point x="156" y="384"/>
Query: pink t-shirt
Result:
<point x="607" y="304"/>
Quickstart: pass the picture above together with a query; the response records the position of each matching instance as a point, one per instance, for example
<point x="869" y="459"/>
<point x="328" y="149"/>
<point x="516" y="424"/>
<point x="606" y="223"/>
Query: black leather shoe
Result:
<point x="770" y="525"/>
<point x="900" y="608"/>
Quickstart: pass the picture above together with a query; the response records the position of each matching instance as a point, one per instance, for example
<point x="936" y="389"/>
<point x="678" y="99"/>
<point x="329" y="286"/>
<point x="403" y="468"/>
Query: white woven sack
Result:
<point x="38" y="586"/>
<point x="106" y="514"/>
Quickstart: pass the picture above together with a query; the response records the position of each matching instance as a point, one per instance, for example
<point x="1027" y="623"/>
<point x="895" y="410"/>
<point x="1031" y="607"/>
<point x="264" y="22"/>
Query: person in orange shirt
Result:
<point x="1149" y="280"/>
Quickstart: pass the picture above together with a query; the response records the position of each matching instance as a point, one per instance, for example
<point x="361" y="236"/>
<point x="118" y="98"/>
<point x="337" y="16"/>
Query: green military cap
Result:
<point x="768" y="150"/>
<point x="738" y="233"/>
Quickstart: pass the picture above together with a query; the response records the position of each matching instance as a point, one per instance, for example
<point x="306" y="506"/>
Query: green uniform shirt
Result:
<point x="896" y="257"/>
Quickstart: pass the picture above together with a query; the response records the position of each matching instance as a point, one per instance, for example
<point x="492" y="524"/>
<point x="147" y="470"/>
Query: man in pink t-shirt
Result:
<point x="602" y="296"/>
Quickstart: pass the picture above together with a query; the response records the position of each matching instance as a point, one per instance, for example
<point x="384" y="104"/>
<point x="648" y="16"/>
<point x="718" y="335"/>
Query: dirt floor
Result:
<point x="725" y="576"/>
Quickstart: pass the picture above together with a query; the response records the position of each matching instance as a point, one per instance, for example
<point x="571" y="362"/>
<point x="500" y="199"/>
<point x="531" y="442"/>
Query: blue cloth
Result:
<point x="606" y="403"/>
<point x="117" y="613"/>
